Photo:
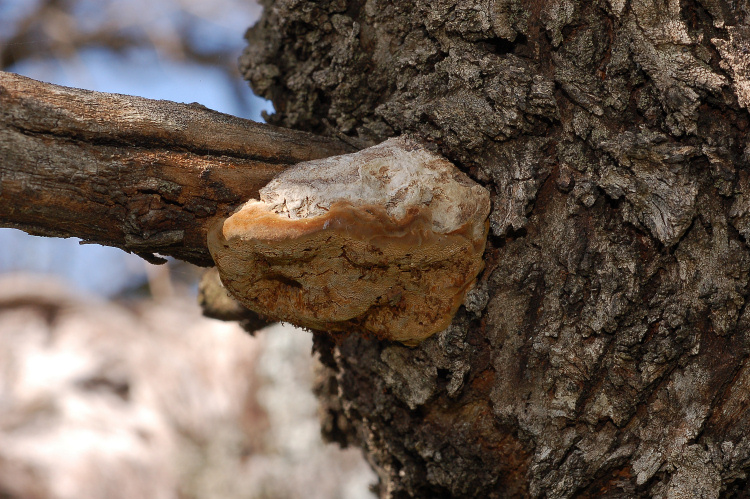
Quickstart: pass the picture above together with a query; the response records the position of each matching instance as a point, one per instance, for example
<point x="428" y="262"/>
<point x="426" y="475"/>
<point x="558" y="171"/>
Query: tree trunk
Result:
<point x="604" y="351"/>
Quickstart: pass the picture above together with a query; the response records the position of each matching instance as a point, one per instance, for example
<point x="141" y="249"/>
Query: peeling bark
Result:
<point x="142" y="175"/>
<point x="604" y="352"/>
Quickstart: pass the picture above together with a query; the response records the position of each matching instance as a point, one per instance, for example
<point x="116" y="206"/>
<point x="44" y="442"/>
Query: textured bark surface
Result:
<point x="605" y="351"/>
<point x="143" y="175"/>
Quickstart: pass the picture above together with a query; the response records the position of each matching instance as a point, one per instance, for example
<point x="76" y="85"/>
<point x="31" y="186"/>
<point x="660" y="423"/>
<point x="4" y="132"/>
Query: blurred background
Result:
<point x="112" y="385"/>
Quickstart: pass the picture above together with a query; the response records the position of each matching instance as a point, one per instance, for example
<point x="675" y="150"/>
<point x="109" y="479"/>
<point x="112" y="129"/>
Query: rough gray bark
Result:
<point x="605" y="350"/>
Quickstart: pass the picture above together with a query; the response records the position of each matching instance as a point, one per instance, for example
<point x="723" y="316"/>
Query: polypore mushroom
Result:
<point x="386" y="241"/>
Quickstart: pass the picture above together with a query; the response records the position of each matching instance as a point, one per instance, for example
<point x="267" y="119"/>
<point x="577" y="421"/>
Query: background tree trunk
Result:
<point x="604" y="351"/>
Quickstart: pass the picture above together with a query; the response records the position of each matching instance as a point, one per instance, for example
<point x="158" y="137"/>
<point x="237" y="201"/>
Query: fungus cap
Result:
<point x="385" y="241"/>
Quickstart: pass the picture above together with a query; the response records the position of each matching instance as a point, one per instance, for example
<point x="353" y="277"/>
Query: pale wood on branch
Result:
<point x="147" y="176"/>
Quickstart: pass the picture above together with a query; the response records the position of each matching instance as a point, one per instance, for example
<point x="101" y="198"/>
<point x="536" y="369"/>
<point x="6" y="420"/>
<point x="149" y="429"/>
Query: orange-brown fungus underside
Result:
<point x="353" y="267"/>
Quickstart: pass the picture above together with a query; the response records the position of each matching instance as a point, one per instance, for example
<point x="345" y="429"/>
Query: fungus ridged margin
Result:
<point x="385" y="241"/>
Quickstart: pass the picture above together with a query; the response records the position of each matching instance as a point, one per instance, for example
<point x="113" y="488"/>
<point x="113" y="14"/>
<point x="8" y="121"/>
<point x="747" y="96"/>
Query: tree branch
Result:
<point x="143" y="175"/>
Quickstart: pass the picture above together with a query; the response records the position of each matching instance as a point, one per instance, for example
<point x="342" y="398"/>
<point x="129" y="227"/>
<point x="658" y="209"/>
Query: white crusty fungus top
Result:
<point x="386" y="241"/>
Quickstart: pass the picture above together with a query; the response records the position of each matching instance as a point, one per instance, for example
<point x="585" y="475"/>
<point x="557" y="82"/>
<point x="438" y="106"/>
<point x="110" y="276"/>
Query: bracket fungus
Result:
<point x="385" y="241"/>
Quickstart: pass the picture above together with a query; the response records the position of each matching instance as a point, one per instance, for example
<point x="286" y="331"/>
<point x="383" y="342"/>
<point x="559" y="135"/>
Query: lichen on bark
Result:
<point x="604" y="350"/>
